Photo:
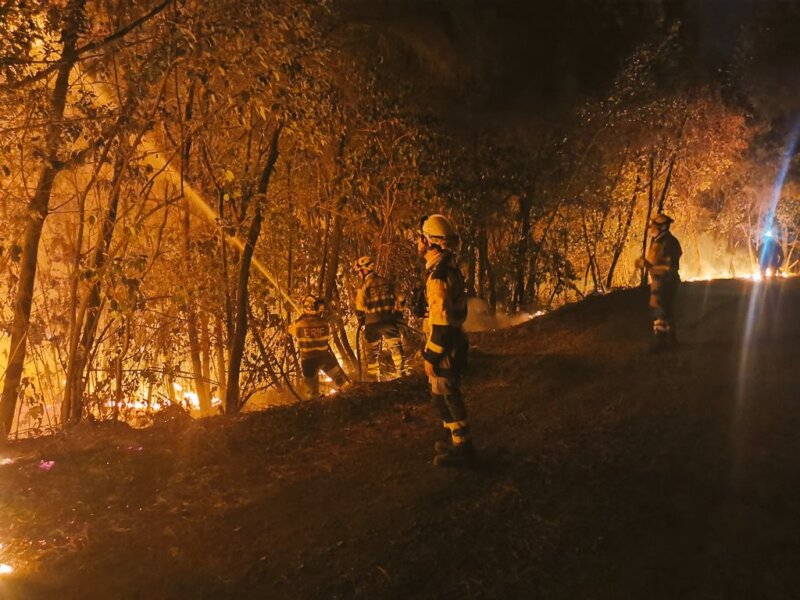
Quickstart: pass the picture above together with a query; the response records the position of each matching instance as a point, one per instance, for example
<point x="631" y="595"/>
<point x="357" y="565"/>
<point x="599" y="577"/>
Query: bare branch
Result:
<point x="90" y="47"/>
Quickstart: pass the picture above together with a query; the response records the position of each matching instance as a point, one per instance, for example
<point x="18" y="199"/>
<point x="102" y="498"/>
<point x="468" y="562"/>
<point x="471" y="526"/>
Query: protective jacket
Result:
<point x="313" y="334"/>
<point x="663" y="258"/>
<point x="447" y="308"/>
<point x="376" y="300"/>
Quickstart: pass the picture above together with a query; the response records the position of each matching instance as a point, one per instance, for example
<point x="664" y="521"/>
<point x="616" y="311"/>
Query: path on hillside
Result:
<point x="606" y="472"/>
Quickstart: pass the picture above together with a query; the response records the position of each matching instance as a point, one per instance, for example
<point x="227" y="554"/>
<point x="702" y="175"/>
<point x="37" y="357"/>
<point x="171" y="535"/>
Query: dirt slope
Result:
<point x="606" y="472"/>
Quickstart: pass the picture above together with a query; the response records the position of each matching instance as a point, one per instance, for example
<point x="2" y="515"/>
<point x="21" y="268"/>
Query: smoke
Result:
<point x="479" y="319"/>
<point x="708" y="257"/>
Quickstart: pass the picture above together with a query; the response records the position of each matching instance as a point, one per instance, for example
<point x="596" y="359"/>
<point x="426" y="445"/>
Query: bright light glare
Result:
<point x="5" y="569"/>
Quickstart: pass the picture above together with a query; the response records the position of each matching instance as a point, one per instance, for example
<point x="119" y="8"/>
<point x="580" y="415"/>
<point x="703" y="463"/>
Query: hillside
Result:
<point x="606" y="472"/>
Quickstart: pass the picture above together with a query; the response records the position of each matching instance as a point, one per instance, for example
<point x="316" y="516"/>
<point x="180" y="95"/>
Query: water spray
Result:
<point x="163" y="168"/>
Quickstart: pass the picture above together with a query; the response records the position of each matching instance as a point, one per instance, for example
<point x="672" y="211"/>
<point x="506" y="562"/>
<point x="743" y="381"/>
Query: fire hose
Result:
<point x="358" y="351"/>
<point x="410" y="329"/>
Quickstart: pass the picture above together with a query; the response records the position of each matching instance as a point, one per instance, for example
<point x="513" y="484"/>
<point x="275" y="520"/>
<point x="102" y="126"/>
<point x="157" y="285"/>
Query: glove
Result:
<point x="419" y="303"/>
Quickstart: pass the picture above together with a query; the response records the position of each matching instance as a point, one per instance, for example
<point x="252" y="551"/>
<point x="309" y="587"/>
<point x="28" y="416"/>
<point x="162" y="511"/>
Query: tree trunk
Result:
<point x="335" y="248"/>
<point x="667" y="182"/>
<point x="620" y="245"/>
<point x="643" y="282"/>
<point x="38" y="209"/>
<point x="220" y="354"/>
<point x="191" y="323"/>
<point x="205" y="352"/>
<point x="342" y="344"/>
<point x="471" y="265"/>
<point x="522" y="252"/>
<point x="83" y="334"/>
<point x="336" y="236"/>
<point x="190" y="309"/>
<point x="591" y="266"/>
<point x="232" y="402"/>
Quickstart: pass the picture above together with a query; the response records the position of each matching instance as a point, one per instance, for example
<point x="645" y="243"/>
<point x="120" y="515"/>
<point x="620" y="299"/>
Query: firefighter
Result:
<point x="770" y="256"/>
<point x="313" y="335"/>
<point x="376" y="310"/>
<point x="445" y="354"/>
<point x="662" y="263"/>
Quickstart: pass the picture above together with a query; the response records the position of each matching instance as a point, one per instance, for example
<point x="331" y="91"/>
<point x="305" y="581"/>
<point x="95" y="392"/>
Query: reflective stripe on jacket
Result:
<point x="312" y="333"/>
<point x="664" y="257"/>
<point x="376" y="299"/>
<point x="446" y="292"/>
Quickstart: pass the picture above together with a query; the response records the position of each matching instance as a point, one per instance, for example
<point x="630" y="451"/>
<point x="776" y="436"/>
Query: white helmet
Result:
<point x="438" y="230"/>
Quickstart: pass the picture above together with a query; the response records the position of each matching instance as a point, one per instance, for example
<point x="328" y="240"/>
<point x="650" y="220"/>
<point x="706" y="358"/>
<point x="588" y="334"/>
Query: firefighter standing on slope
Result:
<point x="376" y="310"/>
<point x="662" y="263"/>
<point x="313" y="336"/>
<point x="445" y="353"/>
<point x="770" y="256"/>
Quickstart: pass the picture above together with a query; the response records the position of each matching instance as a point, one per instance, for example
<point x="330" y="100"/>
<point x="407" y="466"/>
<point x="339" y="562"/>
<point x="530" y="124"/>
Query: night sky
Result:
<point x="533" y="56"/>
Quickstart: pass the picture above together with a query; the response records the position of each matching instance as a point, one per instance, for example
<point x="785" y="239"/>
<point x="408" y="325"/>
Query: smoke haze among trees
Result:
<point x="174" y="173"/>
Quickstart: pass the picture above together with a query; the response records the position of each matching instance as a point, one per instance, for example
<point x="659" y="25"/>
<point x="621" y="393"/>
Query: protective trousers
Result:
<point x="388" y="332"/>
<point x="325" y="362"/>
<point x="662" y="304"/>
<point x="446" y="392"/>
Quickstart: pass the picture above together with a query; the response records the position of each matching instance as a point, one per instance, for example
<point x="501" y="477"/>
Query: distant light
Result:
<point x="6" y="461"/>
<point x="46" y="465"/>
<point x="6" y="569"/>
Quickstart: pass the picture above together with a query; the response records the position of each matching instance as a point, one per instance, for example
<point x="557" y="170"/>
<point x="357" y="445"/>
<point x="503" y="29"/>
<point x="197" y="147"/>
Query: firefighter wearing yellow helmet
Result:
<point x="376" y="310"/>
<point x="446" y="348"/>
<point x="313" y="341"/>
<point x="662" y="263"/>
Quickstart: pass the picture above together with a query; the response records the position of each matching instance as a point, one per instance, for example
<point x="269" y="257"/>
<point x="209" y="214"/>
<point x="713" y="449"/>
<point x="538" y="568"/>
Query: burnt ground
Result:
<point x="606" y="472"/>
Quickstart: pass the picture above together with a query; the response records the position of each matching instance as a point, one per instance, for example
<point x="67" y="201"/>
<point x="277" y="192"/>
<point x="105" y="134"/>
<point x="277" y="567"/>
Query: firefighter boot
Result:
<point x="440" y="404"/>
<point x="460" y="455"/>
<point x="660" y="340"/>
<point x="672" y="337"/>
<point x="444" y="446"/>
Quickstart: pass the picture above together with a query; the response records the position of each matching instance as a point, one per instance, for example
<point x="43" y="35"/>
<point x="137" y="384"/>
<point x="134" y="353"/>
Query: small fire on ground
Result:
<point x="147" y="401"/>
<point x="754" y="276"/>
<point x="4" y="568"/>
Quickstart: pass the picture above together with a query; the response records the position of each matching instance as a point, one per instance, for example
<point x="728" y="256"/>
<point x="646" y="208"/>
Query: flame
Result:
<point x="4" y="568"/>
<point x="755" y="275"/>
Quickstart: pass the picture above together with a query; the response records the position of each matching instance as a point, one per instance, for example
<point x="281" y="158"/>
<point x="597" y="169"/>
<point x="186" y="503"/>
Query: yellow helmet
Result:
<point x="438" y="230"/>
<point x="365" y="264"/>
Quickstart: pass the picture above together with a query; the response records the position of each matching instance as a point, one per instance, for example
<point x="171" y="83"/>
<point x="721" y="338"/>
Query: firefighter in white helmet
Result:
<point x="445" y="353"/>
<point x="313" y="341"/>
<point x="376" y="310"/>
<point x="662" y="263"/>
